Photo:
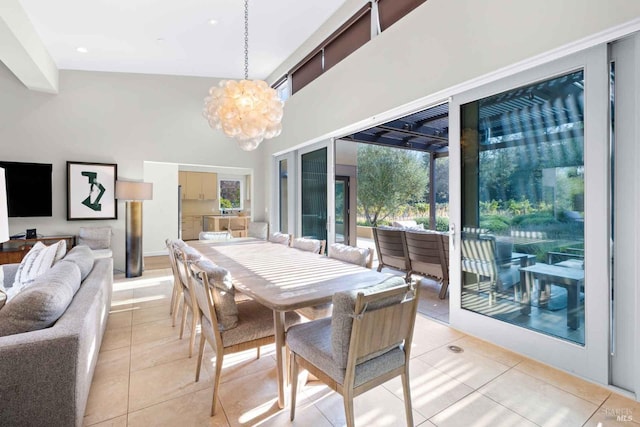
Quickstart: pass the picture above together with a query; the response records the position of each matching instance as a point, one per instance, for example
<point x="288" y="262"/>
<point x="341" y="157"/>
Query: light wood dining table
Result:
<point x="284" y="279"/>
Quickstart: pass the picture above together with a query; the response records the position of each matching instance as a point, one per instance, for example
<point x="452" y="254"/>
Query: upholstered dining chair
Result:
<point x="228" y="325"/>
<point x="258" y="230"/>
<point x="184" y="256"/>
<point x="177" y="286"/>
<point x="310" y="245"/>
<point x="365" y="343"/>
<point x="351" y="254"/>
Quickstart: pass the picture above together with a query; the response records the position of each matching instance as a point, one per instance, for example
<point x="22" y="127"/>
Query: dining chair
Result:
<point x="427" y="257"/>
<point x="281" y="238"/>
<point x="351" y="254"/>
<point x="258" y="230"/>
<point x="365" y="343"/>
<point x="184" y="257"/>
<point x="391" y="246"/>
<point x="310" y="245"/>
<point x="177" y="286"/>
<point x="253" y="328"/>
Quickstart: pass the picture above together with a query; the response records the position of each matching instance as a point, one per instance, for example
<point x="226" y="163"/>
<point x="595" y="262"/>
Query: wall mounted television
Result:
<point x="28" y="188"/>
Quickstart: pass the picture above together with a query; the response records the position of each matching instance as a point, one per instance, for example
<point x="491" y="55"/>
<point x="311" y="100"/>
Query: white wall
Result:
<point x="160" y="215"/>
<point x="112" y="118"/>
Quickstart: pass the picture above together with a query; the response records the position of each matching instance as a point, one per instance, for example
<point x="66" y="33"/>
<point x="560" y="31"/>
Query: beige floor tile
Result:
<point x="164" y="382"/>
<point x="478" y="410"/>
<point x="237" y="365"/>
<point x="108" y="396"/>
<point x="581" y="388"/>
<point x="150" y="314"/>
<point x="468" y="367"/>
<point x="119" y="319"/>
<point x="538" y="401"/>
<point x="120" y="421"/>
<point x="158" y="352"/>
<point x="307" y="415"/>
<point x="116" y="338"/>
<point x="378" y="407"/>
<point x="429" y="334"/>
<point x="431" y="389"/>
<point x="251" y="399"/>
<point x="157" y="330"/>
<point x="489" y="350"/>
<point x="193" y="409"/>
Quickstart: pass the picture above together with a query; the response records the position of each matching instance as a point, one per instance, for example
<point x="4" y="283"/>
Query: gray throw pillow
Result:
<point x="42" y="303"/>
<point x="82" y="256"/>
<point x="223" y="294"/>
<point x="344" y="304"/>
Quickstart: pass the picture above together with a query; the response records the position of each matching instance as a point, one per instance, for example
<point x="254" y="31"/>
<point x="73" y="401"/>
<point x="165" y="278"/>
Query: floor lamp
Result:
<point x="4" y="217"/>
<point x="134" y="193"/>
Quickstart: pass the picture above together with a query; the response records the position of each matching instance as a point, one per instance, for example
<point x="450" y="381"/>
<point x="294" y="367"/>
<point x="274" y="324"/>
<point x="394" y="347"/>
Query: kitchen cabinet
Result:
<point x="191" y="227"/>
<point x="236" y="225"/>
<point x="199" y="185"/>
<point x="182" y="182"/>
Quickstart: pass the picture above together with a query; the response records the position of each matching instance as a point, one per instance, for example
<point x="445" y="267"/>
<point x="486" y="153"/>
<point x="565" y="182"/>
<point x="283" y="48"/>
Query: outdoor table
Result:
<point x="285" y="279"/>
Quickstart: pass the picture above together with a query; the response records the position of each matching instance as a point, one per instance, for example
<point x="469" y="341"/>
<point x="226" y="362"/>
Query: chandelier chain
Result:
<point x="246" y="39"/>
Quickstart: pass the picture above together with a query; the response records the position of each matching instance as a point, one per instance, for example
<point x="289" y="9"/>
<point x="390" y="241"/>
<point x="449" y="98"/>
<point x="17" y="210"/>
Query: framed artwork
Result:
<point x="91" y="190"/>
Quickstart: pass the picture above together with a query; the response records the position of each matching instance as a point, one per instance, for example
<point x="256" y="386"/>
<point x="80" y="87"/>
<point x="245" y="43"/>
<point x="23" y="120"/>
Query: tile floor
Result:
<point x="144" y="377"/>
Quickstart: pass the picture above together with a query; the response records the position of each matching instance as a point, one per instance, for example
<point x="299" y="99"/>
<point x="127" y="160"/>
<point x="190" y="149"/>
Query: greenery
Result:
<point x="388" y="179"/>
<point x="225" y="203"/>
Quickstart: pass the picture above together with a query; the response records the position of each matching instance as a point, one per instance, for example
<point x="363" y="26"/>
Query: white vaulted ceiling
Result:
<point x="164" y="36"/>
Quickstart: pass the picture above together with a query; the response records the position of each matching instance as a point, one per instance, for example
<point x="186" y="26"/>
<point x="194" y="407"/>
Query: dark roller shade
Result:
<point x="354" y="36"/>
<point x="390" y="11"/>
<point x="307" y="72"/>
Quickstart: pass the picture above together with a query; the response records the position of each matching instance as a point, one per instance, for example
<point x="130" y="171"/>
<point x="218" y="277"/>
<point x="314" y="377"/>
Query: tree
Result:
<point x="387" y="179"/>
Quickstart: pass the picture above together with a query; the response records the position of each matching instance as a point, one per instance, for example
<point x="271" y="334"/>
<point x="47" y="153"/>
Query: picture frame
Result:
<point x="91" y="191"/>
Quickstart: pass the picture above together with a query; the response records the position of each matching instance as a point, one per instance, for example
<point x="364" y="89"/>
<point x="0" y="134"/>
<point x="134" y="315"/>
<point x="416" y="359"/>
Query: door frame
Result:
<point x="591" y="360"/>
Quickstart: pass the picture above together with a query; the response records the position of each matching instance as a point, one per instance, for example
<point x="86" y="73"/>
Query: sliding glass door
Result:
<point x="532" y="196"/>
<point x="313" y="185"/>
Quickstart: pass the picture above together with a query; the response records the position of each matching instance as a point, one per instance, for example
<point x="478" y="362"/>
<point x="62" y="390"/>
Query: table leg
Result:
<point x="573" y="302"/>
<point x="281" y="356"/>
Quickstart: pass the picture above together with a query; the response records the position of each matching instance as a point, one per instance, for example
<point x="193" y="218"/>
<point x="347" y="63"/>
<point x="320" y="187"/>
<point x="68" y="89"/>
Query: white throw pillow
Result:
<point x="37" y="261"/>
<point x="349" y="254"/>
<point x="305" y="244"/>
<point x="281" y="238"/>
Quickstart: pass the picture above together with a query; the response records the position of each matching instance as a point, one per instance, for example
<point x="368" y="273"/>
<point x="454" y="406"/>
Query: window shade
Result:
<point x="354" y="36"/>
<point x="390" y="11"/>
<point x="307" y="72"/>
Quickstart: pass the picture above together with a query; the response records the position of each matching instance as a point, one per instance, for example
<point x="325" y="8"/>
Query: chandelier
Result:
<point x="247" y="110"/>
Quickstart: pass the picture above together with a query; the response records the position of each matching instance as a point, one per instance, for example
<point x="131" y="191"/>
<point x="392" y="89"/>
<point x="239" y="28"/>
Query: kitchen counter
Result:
<point x="235" y="224"/>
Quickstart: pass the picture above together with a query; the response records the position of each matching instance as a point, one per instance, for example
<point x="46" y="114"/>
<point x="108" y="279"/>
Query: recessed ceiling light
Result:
<point x="82" y="49"/>
<point x="160" y="40"/>
<point x="213" y="21"/>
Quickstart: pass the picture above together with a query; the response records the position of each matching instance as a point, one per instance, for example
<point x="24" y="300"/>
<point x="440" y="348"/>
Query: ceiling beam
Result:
<point x="22" y="51"/>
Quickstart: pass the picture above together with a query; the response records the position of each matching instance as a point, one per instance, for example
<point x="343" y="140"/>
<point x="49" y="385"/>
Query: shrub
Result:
<point x="495" y="223"/>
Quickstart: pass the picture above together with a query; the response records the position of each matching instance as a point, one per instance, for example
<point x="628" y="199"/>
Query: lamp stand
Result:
<point x="134" y="239"/>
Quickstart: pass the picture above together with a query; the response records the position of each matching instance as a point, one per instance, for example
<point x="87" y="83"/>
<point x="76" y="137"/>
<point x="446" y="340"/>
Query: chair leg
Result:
<point x="175" y="306"/>
<point x="407" y="396"/>
<point x="200" y="356"/>
<point x="194" y="326"/>
<point x="258" y="352"/>
<point x="348" y="408"/>
<point x="294" y="383"/>
<point x="216" y="381"/>
<point x="443" y="289"/>
<point x="183" y="323"/>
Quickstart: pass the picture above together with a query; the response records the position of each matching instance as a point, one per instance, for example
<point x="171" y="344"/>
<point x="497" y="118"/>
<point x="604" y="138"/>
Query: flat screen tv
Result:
<point x="28" y="188"/>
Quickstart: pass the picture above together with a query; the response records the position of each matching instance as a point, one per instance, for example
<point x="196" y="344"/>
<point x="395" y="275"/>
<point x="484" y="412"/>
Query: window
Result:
<point x="390" y="11"/>
<point x="231" y="194"/>
<point x="281" y="86"/>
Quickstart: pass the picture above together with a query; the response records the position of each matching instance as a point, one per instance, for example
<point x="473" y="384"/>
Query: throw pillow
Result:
<point x="305" y="244"/>
<point x="223" y="292"/>
<point x="344" y="304"/>
<point x="83" y="257"/>
<point x="61" y="251"/>
<point x="279" y="238"/>
<point x="37" y="261"/>
<point x="349" y="254"/>
<point x="42" y="303"/>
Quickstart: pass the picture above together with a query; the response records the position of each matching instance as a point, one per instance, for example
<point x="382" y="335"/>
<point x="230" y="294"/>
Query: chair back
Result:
<point x="392" y="248"/>
<point x="426" y="253"/>
<point x="351" y="254"/>
<point x="382" y="321"/>
<point x="478" y="256"/>
<point x="259" y="230"/>
<point x="199" y="284"/>
<point x="309" y="245"/>
<point x="283" y="239"/>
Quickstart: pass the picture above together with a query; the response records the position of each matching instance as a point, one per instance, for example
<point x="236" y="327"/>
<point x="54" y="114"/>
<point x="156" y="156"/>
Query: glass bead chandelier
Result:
<point x="247" y="110"/>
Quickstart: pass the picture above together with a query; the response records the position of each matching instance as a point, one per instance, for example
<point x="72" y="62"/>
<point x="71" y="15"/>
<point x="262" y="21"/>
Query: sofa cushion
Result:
<point x="82" y="256"/>
<point x="95" y="237"/>
<point x="223" y="294"/>
<point x="40" y="304"/>
<point x="344" y="304"/>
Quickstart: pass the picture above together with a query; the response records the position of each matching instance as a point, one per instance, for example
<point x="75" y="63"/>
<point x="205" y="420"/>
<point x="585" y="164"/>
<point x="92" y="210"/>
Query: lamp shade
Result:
<point x="4" y="215"/>
<point x="134" y="190"/>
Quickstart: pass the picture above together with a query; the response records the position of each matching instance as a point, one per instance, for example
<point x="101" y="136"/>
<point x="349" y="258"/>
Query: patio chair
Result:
<point x="351" y="352"/>
<point x="253" y="329"/>
<point x="392" y="250"/>
<point x="479" y="256"/>
<point x="427" y="256"/>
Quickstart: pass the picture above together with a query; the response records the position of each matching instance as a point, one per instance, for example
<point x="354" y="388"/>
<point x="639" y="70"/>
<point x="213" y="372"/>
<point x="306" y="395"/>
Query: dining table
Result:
<point x="284" y="279"/>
